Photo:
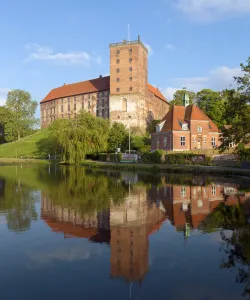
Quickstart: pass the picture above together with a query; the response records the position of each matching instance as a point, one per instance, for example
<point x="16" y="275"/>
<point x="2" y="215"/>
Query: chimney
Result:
<point x="100" y="76"/>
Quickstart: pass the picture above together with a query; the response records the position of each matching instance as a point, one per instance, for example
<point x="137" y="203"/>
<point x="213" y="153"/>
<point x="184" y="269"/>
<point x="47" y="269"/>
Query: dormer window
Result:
<point x="184" y="127"/>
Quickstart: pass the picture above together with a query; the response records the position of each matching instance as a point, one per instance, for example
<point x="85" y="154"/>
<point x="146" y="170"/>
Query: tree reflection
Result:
<point x="87" y="191"/>
<point x="235" y="235"/>
<point x="18" y="203"/>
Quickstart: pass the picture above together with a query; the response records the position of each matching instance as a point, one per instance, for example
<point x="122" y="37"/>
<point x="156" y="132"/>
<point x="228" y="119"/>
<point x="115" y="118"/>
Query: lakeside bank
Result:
<point x="164" y="168"/>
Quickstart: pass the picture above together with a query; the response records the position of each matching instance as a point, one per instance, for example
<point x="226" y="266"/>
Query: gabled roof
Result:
<point x="89" y="86"/>
<point x="180" y="115"/>
<point x="83" y="87"/>
<point x="156" y="92"/>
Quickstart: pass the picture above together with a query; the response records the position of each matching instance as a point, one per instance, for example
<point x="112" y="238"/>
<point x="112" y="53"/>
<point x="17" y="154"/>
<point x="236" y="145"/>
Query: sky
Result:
<point x="193" y="43"/>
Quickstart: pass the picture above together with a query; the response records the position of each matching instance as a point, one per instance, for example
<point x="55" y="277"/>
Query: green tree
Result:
<point x="77" y="137"/>
<point x="4" y="117"/>
<point x="213" y="105"/>
<point x="22" y="117"/>
<point x="178" y="97"/>
<point x="151" y="127"/>
<point x="117" y="137"/>
<point x="237" y="111"/>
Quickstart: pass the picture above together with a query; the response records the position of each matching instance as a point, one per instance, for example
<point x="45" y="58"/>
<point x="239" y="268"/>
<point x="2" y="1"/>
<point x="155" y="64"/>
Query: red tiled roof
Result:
<point x="69" y="229"/>
<point x="156" y="92"/>
<point x="179" y="114"/>
<point x="89" y="86"/>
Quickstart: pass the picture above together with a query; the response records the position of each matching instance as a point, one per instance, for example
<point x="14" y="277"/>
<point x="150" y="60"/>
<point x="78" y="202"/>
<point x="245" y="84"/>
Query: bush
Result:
<point x="244" y="153"/>
<point x="156" y="157"/>
<point x="187" y="159"/>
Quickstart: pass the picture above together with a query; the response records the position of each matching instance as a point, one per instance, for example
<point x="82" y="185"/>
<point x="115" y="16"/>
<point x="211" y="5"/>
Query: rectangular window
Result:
<point x="117" y="70"/>
<point x="62" y="108"/>
<point x="130" y="59"/>
<point x="75" y="106"/>
<point x="158" y="142"/>
<point x="183" y="192"/>
<point x="232" y="144"/>
<point x="102" y="102"/>
<point x="75" y="98"/>
<point x="117" y="51"/>
<point x="199" y="129"/>
<point x="130" y="88"/>
<point x="118" y="61"/>
<point x="130" y="78"/>
<point x="82" y="97"/>
<point x="213" y="190"/>
<point x="117" y="89"/>
<point x="68" y="107"/>
<point x="165" y="141"/>
<point x="130" y="69"/>
<point x="61" y="100"/>
<point x="68" y="99"/>
<point x="89" y="96"/>
<point x="82" y="105"/>
<point x="213" y="142"/>
<point x="88" y="104"/>
<point x="204" y="141"/>
<point x="194" y="141"/>
<point x="183" y="141"/>
<point x="117" y="79"/>
<point x="102" y="94"/>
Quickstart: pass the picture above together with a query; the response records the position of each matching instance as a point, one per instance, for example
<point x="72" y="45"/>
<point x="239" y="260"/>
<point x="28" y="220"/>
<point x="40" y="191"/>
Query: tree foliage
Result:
<point x="118" y="136"/>
<point x="213" y="105"/>
<point x="22" y="114"/>
<point x="80" y="136"/>
<point x="178" y="97"/>
<point x="237" y="111"/>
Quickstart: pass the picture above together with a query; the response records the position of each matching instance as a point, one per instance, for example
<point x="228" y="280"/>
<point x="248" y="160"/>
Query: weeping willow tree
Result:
<point x="80" y="136"/>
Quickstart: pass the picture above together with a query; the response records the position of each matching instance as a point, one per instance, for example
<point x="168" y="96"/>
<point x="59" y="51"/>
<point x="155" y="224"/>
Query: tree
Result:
<point x="212" y="104"/>
<point x="151" y="127"/>
<point x="117" y="137"/>
<point x="22" y="114"/>
<point x="237" y="114"/>
<point x="4" y="117"/>
<point x="237" y="111"/>
<point x="178" y="97"/>
<point x="78" y="137"/>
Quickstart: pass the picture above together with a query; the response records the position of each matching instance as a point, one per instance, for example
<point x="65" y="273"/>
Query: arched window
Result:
<point x="124" y="104"/>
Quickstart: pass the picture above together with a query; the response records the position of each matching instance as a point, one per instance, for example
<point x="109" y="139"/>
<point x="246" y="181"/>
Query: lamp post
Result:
<point x="129" y="134"/>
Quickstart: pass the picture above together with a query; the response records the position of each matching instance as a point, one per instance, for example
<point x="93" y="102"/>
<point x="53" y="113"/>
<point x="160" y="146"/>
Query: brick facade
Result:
<point x="125" y="96"/>
<point x="185" y="128"/>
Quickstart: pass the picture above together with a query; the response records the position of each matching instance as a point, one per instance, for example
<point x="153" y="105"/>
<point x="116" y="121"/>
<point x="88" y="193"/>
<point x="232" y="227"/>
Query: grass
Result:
<point x="27" y="147"/>
<point x="161" y="168"/>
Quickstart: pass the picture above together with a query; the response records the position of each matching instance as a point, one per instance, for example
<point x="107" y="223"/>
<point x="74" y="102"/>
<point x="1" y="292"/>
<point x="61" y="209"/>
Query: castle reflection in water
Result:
<point x="127" y="227"/>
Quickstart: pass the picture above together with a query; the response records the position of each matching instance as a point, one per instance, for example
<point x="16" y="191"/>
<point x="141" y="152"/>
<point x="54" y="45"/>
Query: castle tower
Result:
<point x="128" y="81"/>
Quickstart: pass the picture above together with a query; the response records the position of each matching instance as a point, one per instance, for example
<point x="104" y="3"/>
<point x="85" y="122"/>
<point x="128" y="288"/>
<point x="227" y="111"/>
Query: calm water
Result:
<point x="70" y="233"/>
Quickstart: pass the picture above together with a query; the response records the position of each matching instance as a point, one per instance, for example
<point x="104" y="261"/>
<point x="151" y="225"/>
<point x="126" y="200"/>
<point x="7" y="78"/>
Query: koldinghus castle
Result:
<point x="125" y="96"/>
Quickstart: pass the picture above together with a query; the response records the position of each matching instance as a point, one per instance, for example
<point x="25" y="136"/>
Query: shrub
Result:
<point x="156" y="157"/>
<point x="187" y="159"/>
<point x="109" y="157"/>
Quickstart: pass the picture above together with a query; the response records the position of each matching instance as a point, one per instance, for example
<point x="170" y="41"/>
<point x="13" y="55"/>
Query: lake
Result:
<point x="74" y="233"/>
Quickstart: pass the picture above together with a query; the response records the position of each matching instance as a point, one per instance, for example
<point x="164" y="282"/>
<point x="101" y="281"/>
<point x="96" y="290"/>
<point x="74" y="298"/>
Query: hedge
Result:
<point x="109" y="157"/>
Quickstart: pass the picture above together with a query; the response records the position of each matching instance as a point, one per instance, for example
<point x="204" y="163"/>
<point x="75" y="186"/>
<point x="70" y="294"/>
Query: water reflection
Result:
<point x="123" y="211"/>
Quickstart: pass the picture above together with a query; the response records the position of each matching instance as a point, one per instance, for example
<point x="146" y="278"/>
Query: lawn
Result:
<point x="28" y="147"/>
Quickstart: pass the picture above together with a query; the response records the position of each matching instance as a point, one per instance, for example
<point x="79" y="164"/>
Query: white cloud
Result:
<point x="150" y="50"/>
<point x="42" y="53"/>
<point x="170" y="47"/>
<point x="212" y="9"/>
<point x="217" y="79"/>
<point x="3" y="95"/>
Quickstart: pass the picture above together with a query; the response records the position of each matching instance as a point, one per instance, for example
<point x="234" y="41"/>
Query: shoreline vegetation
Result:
<point x="133" y="167"/>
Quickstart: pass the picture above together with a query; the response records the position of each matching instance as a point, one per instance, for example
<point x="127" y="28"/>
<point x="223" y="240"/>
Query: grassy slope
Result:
<point x="26" y="147"/>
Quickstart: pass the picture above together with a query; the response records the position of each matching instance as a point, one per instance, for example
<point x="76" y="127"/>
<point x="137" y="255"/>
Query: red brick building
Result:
<point x="185" y="127"/>
<point x="125" y="96"/>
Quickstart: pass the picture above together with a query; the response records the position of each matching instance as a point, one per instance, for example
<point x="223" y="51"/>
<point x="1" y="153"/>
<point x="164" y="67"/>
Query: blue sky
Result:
<point x="196" y="43"/>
